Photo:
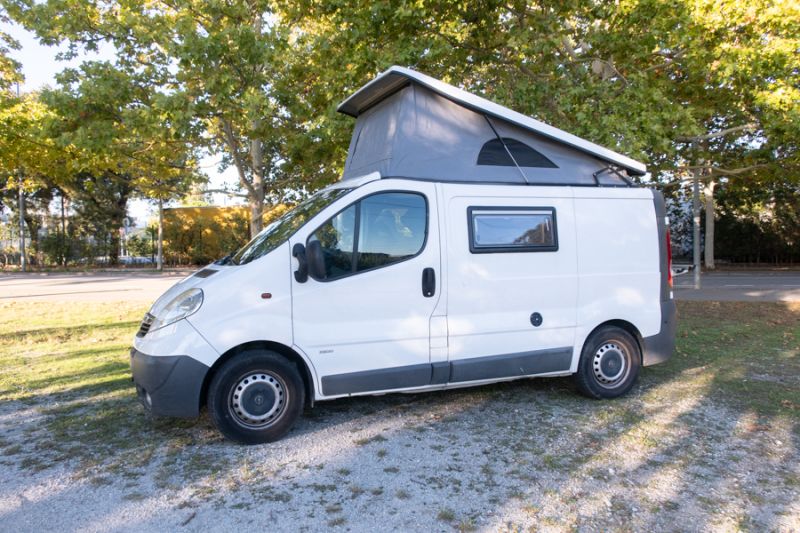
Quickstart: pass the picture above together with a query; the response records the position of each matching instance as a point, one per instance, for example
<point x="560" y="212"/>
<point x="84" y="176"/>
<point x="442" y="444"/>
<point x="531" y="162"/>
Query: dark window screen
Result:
<point x="494" y="153"/>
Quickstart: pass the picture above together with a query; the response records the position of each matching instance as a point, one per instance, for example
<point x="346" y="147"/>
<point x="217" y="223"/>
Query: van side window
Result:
<point x="512" y="229"/>
<point x="377" y="231"/>
<point x="337" y="237"/>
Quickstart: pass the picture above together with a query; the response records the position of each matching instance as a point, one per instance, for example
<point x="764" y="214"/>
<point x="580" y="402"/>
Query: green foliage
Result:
<point x="140" y="245"/>
<point x="113" y="122"/>
<point x="9" y="68"/>
<point x="60" y="249"/>
<point x="759" y="224"/>
<point x="684" y="85"/>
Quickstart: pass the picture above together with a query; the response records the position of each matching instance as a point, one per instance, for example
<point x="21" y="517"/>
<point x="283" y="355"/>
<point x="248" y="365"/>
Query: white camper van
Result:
<point x="465" y="244"/>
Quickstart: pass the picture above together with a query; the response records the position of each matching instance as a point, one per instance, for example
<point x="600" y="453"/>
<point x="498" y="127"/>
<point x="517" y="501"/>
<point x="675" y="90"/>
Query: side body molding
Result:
<point x="458" y="371"/>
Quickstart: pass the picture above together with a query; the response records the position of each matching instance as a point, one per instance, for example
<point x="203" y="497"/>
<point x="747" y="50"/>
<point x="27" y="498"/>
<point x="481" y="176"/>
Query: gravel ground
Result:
<point x="709" y="441"/>
<point x="510" y="457"/>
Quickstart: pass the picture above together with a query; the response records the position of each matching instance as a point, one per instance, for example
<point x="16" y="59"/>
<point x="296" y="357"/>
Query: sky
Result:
<point x="40" y="66"/>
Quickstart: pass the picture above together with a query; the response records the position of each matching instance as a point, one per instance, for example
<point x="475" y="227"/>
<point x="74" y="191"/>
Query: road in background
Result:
<point x="752" y="286"/>
<point x="89" y="286"/>
<point x="758" y="286"/>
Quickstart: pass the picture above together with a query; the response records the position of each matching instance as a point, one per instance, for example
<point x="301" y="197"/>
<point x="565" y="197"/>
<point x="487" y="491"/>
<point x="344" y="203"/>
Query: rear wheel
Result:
<point x="609" y="364"/>
<point x="256" y="397"/>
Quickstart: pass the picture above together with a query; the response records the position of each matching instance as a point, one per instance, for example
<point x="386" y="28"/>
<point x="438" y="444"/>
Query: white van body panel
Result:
<point x="491" y="296"/>
<point x="235" y="313"/>
<point x="177" y="338"/>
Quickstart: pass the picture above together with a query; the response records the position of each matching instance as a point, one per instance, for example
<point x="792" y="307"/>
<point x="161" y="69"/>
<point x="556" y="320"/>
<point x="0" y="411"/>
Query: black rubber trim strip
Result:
<point x="659" y="347"/>
<point x="510" y="365"/>
<point x="374" y="380"/>
<point x="475" y="369"/>
<point x="440" y="373"/>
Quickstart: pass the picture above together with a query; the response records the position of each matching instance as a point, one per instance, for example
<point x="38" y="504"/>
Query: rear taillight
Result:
<point x="669" y="260"/>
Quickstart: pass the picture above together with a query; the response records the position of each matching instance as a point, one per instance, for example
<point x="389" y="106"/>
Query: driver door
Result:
<point x="365" y="324"/>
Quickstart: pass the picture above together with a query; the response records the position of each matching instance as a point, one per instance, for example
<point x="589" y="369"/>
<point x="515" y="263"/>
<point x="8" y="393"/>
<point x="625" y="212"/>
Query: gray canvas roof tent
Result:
<point x="413" y="126"/>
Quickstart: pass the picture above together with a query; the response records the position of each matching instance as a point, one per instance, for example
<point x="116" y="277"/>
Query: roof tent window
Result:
<point x="494" y="154"/>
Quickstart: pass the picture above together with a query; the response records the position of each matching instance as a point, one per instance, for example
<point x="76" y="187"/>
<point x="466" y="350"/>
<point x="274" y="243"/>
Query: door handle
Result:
<point x="428" y="282"/>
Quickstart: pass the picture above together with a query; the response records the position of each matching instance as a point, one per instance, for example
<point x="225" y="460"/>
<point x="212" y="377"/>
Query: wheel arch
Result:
<point x="282" y="349"/>
<point x="623" y="325"/>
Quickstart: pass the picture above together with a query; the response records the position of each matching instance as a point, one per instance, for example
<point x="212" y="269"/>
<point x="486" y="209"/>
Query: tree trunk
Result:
<point x="255" y="195"/>
<point x="63" y="251"/>
<point x="23" y="261"/>
<point x="257" y="160"/>
<point x="708" y="192"/>
<point x="160" y="256"/>
<point x="114" y="248"/>
<point x="257" y="203"/>
<point x="32" y="248"/>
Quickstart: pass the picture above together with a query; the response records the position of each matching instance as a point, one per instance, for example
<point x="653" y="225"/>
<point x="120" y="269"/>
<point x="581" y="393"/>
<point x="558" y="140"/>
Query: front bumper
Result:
<point x="659" y="347"/>
<point x="168" y="385"/>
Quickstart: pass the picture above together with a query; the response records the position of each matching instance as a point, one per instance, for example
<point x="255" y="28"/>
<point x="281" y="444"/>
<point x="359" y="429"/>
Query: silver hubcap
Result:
<point x="258" y="399"/>
<point x="610" y="364"/>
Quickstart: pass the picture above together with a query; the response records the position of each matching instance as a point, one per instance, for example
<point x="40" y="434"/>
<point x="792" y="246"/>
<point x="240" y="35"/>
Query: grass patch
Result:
<point x="70" y="364"/>
<point x="446" y="515"/>
<point x="368" y="440"/>
<point x="745" y="354"/>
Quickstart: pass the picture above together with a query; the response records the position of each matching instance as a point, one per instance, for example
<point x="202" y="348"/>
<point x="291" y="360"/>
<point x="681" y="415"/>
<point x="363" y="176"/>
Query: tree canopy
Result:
<point x="691" y="87"/>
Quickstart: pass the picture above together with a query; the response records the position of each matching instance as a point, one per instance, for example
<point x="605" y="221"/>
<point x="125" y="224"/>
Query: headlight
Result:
<point x="183" y="305"/>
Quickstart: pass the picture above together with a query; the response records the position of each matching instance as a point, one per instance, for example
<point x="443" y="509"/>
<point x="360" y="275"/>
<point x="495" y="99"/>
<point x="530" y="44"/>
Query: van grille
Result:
<point x="147" y="321"/>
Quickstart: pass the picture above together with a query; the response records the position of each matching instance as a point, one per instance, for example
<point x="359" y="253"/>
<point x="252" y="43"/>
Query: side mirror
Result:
<point x="315" y="260"/>
<point x="299" y="252"/>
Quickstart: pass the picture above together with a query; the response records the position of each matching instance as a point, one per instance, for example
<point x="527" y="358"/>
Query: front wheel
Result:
<point x="609" y="364"/>
<point x="256" y="397"/>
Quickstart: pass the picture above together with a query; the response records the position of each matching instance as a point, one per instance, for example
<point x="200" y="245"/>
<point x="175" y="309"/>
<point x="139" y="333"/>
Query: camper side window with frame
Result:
<point x="377" y="231"/>
<point x="512" y="229"/>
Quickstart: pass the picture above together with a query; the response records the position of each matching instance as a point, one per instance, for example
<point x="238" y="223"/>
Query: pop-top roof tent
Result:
<point x="413" y="126"/>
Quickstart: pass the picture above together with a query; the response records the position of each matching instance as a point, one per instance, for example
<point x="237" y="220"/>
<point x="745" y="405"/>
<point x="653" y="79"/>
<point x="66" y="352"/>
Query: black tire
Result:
<point x="609" y="364"/>
<point x="256" y="397"/>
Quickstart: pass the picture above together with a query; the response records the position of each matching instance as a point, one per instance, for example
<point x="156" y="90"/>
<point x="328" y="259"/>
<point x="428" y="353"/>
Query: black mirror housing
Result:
<point x="315" y="260"/>
<point x="299" y="252"/>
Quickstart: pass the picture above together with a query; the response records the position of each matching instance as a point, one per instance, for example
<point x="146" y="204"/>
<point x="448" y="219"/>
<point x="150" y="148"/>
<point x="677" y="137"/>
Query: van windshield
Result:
<point x="284" y="227"/>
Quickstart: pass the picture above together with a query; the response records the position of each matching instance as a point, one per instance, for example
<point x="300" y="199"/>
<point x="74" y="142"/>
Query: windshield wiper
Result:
<point x="227" y="260"/>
